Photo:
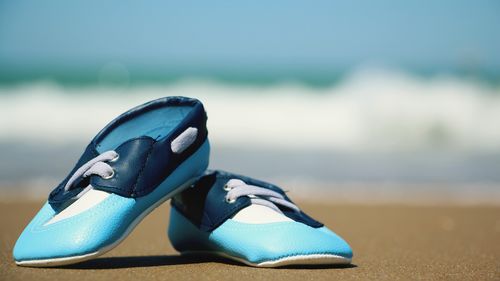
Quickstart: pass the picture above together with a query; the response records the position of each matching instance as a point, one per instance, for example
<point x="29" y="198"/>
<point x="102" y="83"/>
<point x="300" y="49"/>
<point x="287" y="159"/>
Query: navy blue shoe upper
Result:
<point x="205" y="205"/>
<point x="142" y="137"/>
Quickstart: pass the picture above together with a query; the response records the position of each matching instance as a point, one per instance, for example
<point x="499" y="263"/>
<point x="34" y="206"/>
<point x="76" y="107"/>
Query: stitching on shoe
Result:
<point x="141" y="171"/>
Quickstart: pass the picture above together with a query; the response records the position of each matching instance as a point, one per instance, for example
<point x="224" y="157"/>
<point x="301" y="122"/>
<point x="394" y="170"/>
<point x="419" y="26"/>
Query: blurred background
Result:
<point x="348" y="101"/>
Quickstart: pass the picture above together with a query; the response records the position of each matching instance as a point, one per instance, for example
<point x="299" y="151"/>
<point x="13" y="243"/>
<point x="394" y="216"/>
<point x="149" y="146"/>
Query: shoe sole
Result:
<point x="313" y="259"/>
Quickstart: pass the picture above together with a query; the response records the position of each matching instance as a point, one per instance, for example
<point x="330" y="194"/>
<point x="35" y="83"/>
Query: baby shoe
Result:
<point x="139" y="160"/>
<point x="252" y="222"/>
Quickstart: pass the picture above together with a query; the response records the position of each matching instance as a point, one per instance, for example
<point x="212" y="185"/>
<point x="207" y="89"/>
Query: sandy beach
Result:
<point x="390" y="242"/>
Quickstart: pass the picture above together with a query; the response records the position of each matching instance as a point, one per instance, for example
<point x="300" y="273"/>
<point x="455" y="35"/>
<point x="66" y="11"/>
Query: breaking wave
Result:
<point x="369" y="110"/>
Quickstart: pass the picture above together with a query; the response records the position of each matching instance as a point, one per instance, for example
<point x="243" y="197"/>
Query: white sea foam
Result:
<point x="370" y="110"/>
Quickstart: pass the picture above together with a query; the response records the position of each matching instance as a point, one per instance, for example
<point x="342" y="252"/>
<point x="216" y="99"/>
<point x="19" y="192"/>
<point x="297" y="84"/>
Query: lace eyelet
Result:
<point x="226" y="187"/>
<point x="109" y="176"/>
<point x="230" y="201"/>
<point x="116" y="158"/>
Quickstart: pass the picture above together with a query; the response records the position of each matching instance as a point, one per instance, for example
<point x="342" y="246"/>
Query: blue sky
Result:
<point x="412" y="33"/>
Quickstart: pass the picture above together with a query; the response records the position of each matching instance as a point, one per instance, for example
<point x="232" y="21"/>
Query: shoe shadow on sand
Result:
<point x="166" y="260"/>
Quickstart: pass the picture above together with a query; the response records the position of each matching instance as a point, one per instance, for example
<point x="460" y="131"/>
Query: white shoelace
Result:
<point x="96" y="166"/>
<point x="258" y="195"/>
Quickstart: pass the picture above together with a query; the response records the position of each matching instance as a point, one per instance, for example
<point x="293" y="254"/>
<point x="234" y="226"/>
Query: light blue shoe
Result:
<point x="252" y="222"/>
<point x="142" y="158"/>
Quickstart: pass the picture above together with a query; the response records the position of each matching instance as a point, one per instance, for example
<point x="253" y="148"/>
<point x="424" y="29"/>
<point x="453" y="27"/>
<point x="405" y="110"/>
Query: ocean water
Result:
<point x="371" y="127"/>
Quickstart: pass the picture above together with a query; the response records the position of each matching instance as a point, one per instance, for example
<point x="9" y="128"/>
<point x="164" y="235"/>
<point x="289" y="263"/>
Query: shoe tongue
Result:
<point x="259" y="214"/>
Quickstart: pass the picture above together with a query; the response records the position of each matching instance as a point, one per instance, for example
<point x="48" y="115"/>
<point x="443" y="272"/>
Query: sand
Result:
<point x="390" y="242"/>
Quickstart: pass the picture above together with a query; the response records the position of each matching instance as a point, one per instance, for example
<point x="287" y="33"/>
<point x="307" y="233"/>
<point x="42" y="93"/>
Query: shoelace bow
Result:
<point x="258" y="195"/>
<point x="95" y="166"/>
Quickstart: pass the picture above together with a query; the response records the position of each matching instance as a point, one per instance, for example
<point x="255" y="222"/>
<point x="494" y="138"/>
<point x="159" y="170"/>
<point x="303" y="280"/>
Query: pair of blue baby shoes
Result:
<point x="155" y="152"/>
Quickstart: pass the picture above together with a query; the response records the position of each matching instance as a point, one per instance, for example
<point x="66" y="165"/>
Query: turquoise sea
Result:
<point x="361" y="128"/>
